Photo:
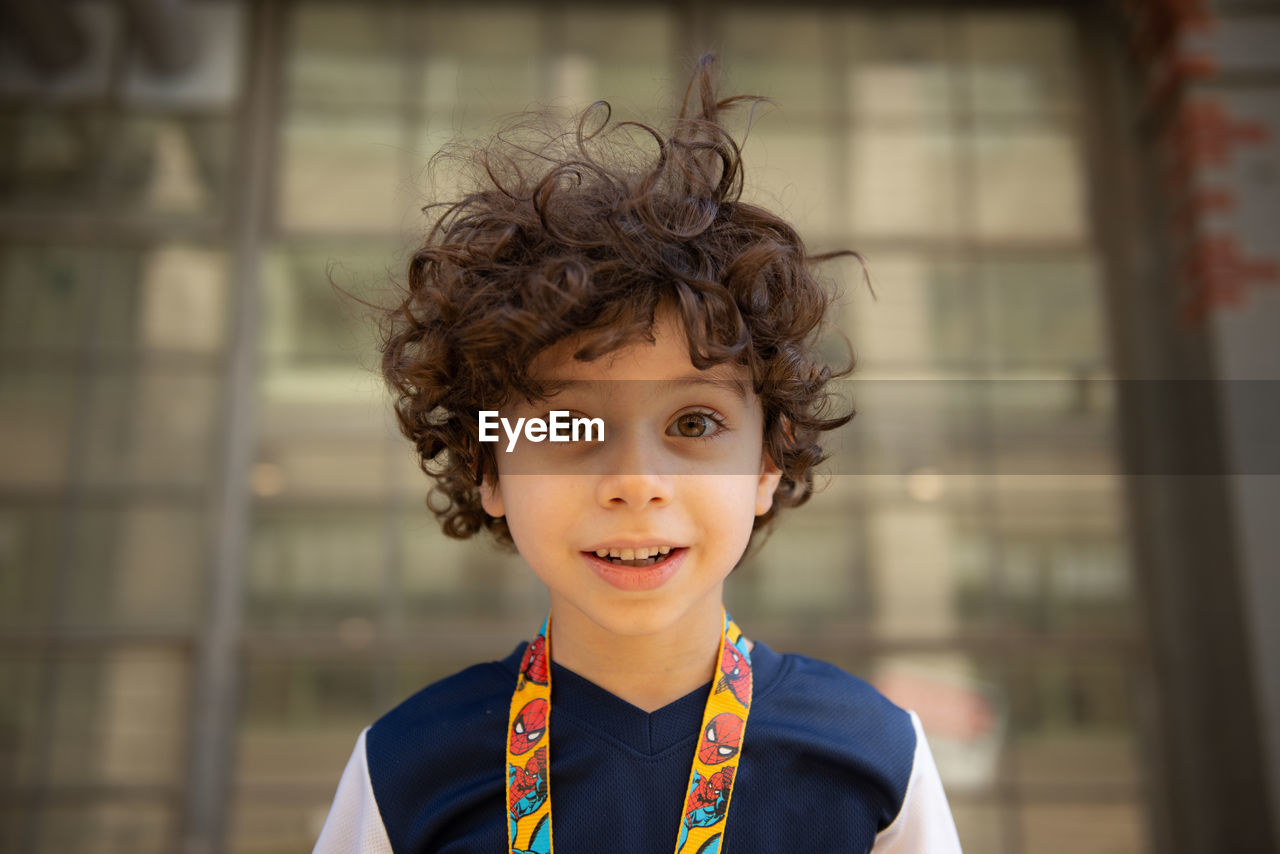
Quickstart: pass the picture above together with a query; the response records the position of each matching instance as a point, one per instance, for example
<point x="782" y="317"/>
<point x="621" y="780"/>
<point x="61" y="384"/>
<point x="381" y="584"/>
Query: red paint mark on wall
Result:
<point x="1205" y="135"/>
<point x="1219" y="273"/>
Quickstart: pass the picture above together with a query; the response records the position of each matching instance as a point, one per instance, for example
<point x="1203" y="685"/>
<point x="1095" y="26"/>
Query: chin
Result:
<point x="639" y="618"/>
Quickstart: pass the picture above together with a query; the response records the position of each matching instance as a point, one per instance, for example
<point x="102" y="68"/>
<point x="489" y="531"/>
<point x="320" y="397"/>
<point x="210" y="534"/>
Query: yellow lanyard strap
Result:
<point x="715" y="762"/>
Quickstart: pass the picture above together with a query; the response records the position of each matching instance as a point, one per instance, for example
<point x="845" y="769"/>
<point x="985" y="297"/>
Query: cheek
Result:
<point x="536" y="508"/>
<point x="728" y="506"/>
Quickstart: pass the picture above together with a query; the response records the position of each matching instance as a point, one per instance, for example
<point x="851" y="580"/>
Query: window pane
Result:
<point x="443" y="577"/>
<point x="261" y="826"/>
<point x="137" y="566"/>
<point x="813" y="568"/>
<point x="155" y="426"/>
<point x="924" y="313"/>
<point x="37" y="412"/>
<point x="595" y="63"/>
<point x="22" y="681"/>
<point x="1072" y="828"/>
<point x="480" y="63"/>
<point x="107" y="828"/>
<point x="341" y="172"/>
<point x="344" y="54"/>
<point x="1042" y="312"/>
<point x="302" y="719"/>
<point x="1072" y="721"/>
<point x="315" y="569"/>
<point x="790" y="165"/>
<point x="779" y="54"/>
<point x="901" y="66"/>
<point x="1056" y="563"/>
<point x="52" y="160"/>
<point x="978" y="825"/>
<point x="169" y="166"/>
<point x="49" y="296"/>
<point x="118" y="717"/>
<point x="173" y="298"/>
<point x="903" y="182"/>
<point x="1027" y="183"/>
<point x="1022" y="62"/>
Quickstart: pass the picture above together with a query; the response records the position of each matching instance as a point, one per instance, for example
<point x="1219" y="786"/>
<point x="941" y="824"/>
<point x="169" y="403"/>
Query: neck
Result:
<point x="647" y="670"/>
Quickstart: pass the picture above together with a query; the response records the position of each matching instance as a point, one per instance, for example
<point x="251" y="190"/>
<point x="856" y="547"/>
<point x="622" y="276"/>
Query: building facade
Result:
<point x="1048" y="529"/>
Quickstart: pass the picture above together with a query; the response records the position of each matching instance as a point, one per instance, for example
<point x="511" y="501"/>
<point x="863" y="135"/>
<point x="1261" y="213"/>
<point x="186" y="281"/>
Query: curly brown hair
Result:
<point x="587" y="234"/>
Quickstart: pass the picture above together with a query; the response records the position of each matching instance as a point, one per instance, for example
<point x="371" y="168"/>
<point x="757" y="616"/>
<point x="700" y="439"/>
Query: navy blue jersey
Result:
<point x="828" y="764"/>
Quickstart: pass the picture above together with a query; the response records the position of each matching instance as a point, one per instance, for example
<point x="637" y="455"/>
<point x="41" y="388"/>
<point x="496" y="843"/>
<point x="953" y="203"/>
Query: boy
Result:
<point x="579" y="283"/>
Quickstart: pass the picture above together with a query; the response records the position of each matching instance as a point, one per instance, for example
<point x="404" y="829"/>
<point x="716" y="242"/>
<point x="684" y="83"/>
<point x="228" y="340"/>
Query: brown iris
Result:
<point x="693" y="424"/>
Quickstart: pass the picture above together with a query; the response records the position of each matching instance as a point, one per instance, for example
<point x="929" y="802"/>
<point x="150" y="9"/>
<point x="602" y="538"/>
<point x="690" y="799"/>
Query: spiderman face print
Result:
<point x="528" y="727"/>
<point x="527" y="786"/>
<point x="708" y="800"/>
<point x="721" y="739"/>
<point x="736" y="673"/>
<point x="534" y="664"/>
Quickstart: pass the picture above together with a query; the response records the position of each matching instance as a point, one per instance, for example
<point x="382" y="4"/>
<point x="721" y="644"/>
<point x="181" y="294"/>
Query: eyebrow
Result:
<point x="710" y="377"/>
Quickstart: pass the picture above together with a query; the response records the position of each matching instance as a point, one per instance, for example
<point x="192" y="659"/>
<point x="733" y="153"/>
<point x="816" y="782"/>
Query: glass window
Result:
<point x="138" y="566"/>
<point x="903" y="182"/>
<point x="37" y="416"/>
<point x="117" y="717"/>
<point x="901" y="67"/>
<point x="967" y="550"/>
<point x="344" y="55"/>
<point x="1020" y="62"/>
<point x="316" y="569"/>
<point x="52" y="159"/>
<point x="48" y="297"/>
<point x="1062" y="828"/>
<point x="170" y="166"/>
<point x="341" y="172"/>
<point x="1027" y="183"/>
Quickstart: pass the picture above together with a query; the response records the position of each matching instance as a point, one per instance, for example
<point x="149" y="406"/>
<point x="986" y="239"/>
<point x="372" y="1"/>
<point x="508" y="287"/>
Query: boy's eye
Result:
<point x="694" y="425"/>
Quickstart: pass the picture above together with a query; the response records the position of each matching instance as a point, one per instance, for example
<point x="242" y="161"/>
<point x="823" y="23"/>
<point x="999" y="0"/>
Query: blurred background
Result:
<point x="1050" y="529"/>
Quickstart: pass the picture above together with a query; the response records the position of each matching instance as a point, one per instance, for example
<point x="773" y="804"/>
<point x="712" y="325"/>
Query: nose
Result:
<point x="634" y="476"/>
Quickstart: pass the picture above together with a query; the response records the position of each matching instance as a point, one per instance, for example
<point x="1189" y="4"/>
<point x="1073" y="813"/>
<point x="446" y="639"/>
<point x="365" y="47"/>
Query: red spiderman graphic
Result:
<point x="707" y="799"/>
<point x="737" y="673"/>
<point x="528" y="727"/>
<point x="706" y="806"/>
<point x="534" y="664"/>
<point x="528" y="785"/>
<point x="721" y="739"/>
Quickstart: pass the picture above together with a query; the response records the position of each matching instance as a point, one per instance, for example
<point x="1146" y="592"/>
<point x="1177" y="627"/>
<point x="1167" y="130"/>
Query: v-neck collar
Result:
<point x="647" y="733"/>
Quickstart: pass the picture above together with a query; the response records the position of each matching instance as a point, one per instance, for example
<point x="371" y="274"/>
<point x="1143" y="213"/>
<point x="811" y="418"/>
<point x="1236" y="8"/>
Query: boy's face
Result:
<point x="681" y="474"/>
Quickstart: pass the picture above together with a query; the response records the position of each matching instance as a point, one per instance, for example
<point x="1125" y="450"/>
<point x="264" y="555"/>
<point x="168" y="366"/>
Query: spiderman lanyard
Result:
<point x="706" y="807"/>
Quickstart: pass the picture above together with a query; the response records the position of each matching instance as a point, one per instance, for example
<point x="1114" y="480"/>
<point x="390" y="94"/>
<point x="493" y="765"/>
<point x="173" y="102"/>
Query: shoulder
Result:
<point x="879" y="748"/>
<point x="841" y="728"/>
<point x="443" y="716"/>
<point x="471" y="695"/>
<point x="439" y="754"/>
<point x="837" y="702"/>
<point x="924" y="821"/>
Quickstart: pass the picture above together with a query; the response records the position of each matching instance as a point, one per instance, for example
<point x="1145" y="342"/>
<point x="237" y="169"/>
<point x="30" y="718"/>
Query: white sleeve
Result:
<point x="924" y="824"/>
<point x="354" y="825"/>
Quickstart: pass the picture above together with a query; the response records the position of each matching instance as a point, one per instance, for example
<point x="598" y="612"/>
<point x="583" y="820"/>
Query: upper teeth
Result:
<point x="634" y="554"/>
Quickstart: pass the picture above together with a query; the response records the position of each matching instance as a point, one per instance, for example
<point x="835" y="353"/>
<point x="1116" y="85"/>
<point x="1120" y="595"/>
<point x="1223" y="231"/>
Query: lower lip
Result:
<point x="636" y="577"/>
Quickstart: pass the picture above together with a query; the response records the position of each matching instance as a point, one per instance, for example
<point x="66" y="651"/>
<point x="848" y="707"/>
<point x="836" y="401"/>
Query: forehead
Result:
<point x="664" y="360"/>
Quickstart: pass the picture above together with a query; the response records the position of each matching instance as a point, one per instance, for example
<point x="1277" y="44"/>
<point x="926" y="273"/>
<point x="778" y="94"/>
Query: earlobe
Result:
<point x="770" y="477"/>
<point x="491" y="496"/>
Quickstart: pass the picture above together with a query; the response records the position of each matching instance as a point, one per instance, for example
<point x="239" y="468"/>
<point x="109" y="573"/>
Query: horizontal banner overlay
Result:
<point x="1019" y="426"/>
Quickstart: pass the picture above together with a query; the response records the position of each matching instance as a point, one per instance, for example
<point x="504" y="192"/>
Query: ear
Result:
<point x="491" y="496"/>
<point x="770" y="477"/>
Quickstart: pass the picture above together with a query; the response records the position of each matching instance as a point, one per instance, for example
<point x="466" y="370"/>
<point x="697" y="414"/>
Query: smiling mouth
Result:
<point x="632" y="557"/>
